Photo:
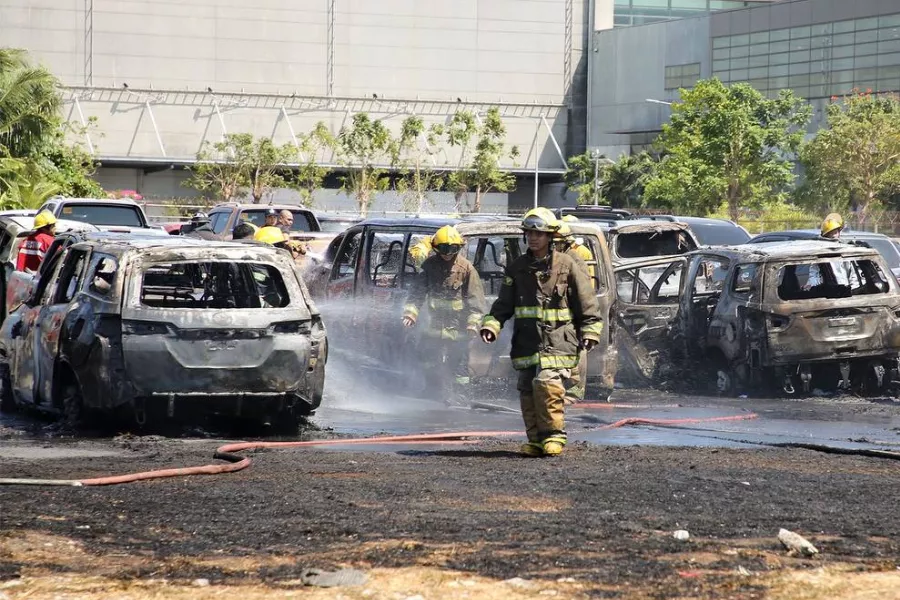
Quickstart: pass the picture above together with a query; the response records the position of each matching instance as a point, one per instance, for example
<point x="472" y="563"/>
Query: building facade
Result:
<point x="641" y="12"/>
<point x="817" y="48"/>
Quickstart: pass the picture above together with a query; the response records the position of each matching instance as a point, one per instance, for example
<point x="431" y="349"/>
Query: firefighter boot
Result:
<point x="549" y="407"/>
<point x="532" y="449"/>
<point x="554" y="445"/>
<point x="526" y="402"/>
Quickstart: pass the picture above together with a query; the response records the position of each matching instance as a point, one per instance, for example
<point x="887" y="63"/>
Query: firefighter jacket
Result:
<point x="453" y="293"/>
<point x="554" y="306"/>
<point x="32" y="251"/>
<point x="584" y="254"/>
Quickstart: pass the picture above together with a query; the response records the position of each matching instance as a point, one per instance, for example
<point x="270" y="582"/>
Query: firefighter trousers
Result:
<point x="576" y="384"/>
<point x="446" y="366"/>
<point x="541" y="394"/>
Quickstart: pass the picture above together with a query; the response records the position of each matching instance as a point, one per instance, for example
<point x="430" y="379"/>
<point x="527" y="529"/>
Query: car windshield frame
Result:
<point x="703" y="231"/>
<point x="335" y="225"/>
<point x="67" y="212"/>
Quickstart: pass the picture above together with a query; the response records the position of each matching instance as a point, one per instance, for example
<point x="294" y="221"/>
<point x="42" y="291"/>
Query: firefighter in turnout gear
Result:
<point x="576" y="245"/>
<point x="564" y="242"/>
<point x="33" y="248"/>
<point x="556" y="314"/>
<point x="450" y="287"/>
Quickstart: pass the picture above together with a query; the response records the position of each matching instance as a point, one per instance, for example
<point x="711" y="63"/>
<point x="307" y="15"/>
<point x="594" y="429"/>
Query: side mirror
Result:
<point x="100" y="285"/>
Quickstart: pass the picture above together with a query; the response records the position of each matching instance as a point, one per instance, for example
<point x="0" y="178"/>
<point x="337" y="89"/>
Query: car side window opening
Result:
<point x="599" y="278"/>
<point x="645" y="244"/>
<point x="830" y="279"/>
<point x="348" y="255"/>
<point x="218" y="221"/>
<point x="385" y="258"/>
<point x="213" y="285"/>
<point x="710" y="277"/>
<point x="745" y="279"/>
<point x="657" y="284"/>
<point x="490" y="256"/>
<point x="102" y="275"/>
<point x="70" y="277"/>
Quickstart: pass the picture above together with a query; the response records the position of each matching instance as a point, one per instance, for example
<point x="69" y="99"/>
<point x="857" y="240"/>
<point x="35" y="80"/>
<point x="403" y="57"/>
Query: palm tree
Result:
<point x="622" y="182"/>
<point x="29" y="103"/>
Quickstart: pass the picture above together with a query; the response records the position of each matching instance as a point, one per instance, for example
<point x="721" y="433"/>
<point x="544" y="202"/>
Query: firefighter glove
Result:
<point x="588" y="344"/>
<point x="488" y="336"/>
<point x="409" y="322"/>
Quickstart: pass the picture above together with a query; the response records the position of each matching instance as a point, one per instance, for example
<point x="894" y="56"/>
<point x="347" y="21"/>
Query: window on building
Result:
<point x="682" y="76"/>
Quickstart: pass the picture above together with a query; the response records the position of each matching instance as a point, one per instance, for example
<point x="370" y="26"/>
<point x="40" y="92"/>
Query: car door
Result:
<point x="26" y="330"/>
<point x="65" y="298"/>
<point x="648" y="295"/>
<point x="342" y="282"/>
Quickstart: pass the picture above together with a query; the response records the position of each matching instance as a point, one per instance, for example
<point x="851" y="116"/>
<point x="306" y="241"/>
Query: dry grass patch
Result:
<point x="835" y="582"/>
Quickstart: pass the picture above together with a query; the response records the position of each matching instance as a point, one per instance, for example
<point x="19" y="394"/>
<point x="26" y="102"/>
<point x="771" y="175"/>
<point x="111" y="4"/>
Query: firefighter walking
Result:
<point x="564" y="241"/>
<point x="556" y="314"/>
<point x="450" y="287"/>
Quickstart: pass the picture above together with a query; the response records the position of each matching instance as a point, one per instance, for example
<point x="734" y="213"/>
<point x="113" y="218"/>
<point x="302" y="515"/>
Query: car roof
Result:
<point x="804" y="234"/>
<point x="434" y="221"/>
<point x="26" y="224"/>
<point x="140" y="241"/>
<point x="792" y="249"/>
<point x="114" y="201"/>
<point x="251" y="206"/>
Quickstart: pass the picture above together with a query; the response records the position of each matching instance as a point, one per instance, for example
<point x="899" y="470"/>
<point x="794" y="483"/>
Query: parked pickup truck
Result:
<point x="107" y="215"/>
<point x="152" y="328"/>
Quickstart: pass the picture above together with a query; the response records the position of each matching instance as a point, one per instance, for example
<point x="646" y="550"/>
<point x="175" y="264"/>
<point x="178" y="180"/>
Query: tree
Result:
<point x="727" y="144"/>
<point x="414" y="154"/>
<point x="855" y="161"/>
<point x="310" y="175"/>
<point x="620" y="184"/>
<point x="29" y="103"/>
<point x="360" y="147"/>
<point x="482" y="173"/>
<point x="267" y="166"/>
<point x="219" y="170"/>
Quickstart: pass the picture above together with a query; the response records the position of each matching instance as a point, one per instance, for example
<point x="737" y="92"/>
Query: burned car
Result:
<point x="370" y="268"/>
<point x="795" y="314"/>
<point x="166" y="327"/>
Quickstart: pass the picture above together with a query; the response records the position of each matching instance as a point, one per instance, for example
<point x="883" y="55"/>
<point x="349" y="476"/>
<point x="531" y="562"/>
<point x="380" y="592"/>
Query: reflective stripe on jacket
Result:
<point x="453" y="293"/>
<point x="554" y="307"/>
<point x="32" y="251"/>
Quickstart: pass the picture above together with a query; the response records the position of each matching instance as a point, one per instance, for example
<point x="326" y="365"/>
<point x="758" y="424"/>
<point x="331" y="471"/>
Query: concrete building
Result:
<point x="818" y="48"/>
<point x="161" y="78"/>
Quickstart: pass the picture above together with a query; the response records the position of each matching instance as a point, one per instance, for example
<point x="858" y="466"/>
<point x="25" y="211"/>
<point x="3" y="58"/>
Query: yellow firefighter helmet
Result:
<point x="447" y="240"/>
<point x="540" y="219"/>
<point x="833" y="222"/>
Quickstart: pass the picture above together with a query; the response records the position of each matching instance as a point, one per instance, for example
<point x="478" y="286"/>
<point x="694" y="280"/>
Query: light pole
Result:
<point x="654" y="101"/>
<point x="598" y="157"/>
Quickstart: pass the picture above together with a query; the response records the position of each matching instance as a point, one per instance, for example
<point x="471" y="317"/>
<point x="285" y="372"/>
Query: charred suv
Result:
<point x="166" y="327"/>
<point x="796" y="314"/>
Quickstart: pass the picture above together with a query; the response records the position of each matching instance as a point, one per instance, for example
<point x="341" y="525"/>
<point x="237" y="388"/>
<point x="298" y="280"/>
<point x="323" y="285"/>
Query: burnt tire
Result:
<point x="7" y="400"/>
<point x="72" y="402"/>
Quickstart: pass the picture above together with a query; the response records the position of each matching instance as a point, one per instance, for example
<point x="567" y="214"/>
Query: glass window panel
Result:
<point x="891" y="46"/>
<point x="740" y="40"/>
<point x="802" y="91"/>
<point x="759" y="38"/>
<point x="820" y="42"/>
<point x="739" y="75"/>
<point x="721" y="53"/>
<point x="866" y="36"/>
<point x="838" y="89"/>
<point x="889" y="21"/>
<point x="818" y="78"/>
<point x="759" y="49"/>
<point x="870" y="23"/>
<point x="800" y="32"/>
<point x="721" y="42"/>
<point x="821" y="29"/>
<point x="622" y="20"/>
<point x="801" y="56"/>
<point x="673" y="71"/>
<point x="888" y="85"/>
<point x="740" y="51"/>
<point x="843" y="39"/>
<point x="865" y="61"/>
<point x="865" y="85"/>
<point x="672" y="84"/>
<point x="889" y="59"/>
<point x="724" y="76"/>
<point x="778" y="83"/>
<point x="800" y="44"/>
<point x="759" y="61"/>
<point x="892" y="33"/>
<point x="778" y="71"/>
<point x="779" y="47"/>
<point x="760" y="84"/>
<point x="720" y="65"/>
<point x="796" y="80"/>
<point x="799" y="68"/>
<point x="758" y="72"/>
<point x="842" y="51"/>
<point x="866" y="49"/>
<point x="843" y="26"/>
<point x="691" y="69"/>
<point x="889" y="72"/>
<point x="780" y="34"/>
<point x="842" y="63"/>
<point x="866" y="74"/>
<point x="779" y="59"/>
<point x="772" y="94"/>
<point x="818" y="91"/>
<point x="820" y="54"/>
<point x="842" y="77"/>
<point x="739" y="63"/>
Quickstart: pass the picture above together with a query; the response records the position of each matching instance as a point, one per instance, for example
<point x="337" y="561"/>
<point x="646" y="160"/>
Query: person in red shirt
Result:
<point x="36" y="244"/>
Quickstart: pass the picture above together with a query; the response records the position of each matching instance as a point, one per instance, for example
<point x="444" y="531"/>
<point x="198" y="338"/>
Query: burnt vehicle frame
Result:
<point x="369" y="265"/>
<point x="734" y="312"/>
<point x="96" y="335"/>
